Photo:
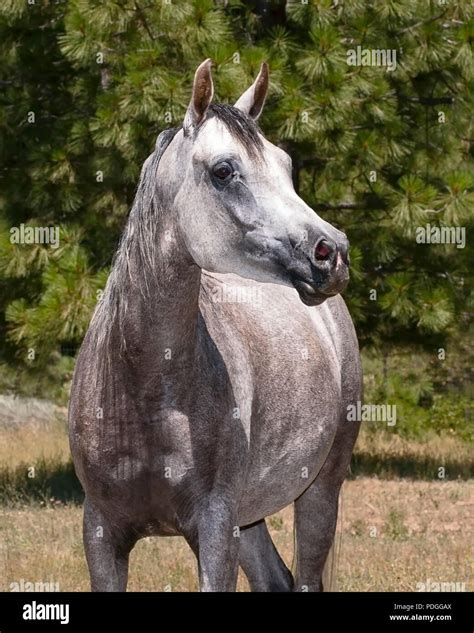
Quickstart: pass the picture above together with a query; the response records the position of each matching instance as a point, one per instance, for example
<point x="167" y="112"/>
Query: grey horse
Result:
<point x="212" y="386"/>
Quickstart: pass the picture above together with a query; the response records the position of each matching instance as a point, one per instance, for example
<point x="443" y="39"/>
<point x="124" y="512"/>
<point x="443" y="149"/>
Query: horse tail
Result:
<point x="293" y="562"/>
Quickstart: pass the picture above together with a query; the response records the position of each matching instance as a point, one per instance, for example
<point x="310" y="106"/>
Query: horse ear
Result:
<point x="203" y="91"/>
<point x="251" y="102"/>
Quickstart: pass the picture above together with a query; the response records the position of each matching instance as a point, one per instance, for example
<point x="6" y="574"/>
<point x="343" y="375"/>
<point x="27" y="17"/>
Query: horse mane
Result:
<point x="140" y="233"/>
<point x="242" y="127"/>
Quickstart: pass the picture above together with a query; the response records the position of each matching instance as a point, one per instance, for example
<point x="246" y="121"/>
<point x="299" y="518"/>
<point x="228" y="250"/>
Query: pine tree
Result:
<point x="87" y="86"/>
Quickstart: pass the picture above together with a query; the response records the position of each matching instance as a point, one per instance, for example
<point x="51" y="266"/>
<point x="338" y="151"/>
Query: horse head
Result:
<point x="235" y="204"/>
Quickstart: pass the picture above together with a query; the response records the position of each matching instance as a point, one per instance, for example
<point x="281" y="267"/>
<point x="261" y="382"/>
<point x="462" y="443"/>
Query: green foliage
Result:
<point x="103" y="78"/>
<point x="412" y="384"/>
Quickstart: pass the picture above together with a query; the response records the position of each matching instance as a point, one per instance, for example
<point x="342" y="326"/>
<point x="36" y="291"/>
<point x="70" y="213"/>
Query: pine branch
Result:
<point x="432" y="101"/>
<point x="142" y="18"/>
<point x="343" y="206"/>
<point x="421" y="22"/>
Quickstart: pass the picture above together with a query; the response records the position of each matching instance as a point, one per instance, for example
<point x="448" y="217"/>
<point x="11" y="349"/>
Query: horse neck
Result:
<point x="157" y="327"/>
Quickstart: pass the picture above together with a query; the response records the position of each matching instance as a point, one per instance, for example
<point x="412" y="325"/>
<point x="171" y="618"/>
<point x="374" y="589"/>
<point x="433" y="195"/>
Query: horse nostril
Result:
<point x="344" y="250"/>
<point x="322" y="250"/>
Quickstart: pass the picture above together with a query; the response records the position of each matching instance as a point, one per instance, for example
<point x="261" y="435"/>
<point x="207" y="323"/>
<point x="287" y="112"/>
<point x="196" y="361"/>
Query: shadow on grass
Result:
<point x="365" y="464"/>
<point x="54" y="480"/>
<point x="46" y="480"/>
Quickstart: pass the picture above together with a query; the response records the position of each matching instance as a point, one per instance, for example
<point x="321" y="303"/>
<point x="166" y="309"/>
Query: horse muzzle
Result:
<point x="325" y="273"/>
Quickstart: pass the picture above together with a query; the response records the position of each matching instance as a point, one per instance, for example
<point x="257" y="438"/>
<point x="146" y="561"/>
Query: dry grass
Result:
<point x="389" y="455"/>
<point x="394" y="535"/>
<point x="439" y="447"/>
<point x="31" y="431"/>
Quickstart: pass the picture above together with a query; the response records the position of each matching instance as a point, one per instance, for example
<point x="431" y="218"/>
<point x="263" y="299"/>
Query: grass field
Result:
<point x="395" y="534"/>
<point x="404" y="526"/>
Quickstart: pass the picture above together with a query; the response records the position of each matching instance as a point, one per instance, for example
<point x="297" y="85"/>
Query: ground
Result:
<point x="395" y="534"/>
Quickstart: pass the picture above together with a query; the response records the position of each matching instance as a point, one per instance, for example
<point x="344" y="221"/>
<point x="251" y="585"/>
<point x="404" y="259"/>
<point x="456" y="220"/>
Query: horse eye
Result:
<point x="222" y="171"/>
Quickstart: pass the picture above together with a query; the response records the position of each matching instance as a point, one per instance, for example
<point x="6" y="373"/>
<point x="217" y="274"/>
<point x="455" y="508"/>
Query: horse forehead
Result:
<point x="214" y="139"/>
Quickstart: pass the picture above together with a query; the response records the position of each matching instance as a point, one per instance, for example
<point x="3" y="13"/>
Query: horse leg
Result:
<point x="315" y="524"/>
<point x="261" y="561"/>
<point x="316" y="511"/>
<point x="107" y="551"/>
<point x="214" y="539"/>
